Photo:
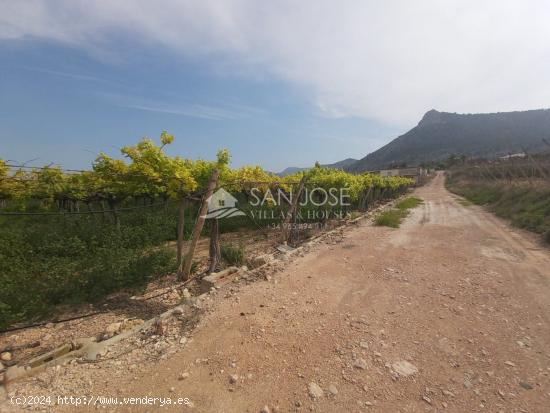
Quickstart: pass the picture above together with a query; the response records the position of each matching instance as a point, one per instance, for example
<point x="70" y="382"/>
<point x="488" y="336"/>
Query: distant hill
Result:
<point x="440" y="134"/>
<point x="337" y="165"/>
<point x="290" y="170"/>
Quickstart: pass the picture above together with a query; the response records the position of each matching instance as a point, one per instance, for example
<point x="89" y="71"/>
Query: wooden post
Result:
<point x="185" y="269"/>
<point x="537" y="166"/>
<point x="286" y="223"/>
<point x="215" y="251"/>
<point x="362" y="200"/>
<point x="112" y="205"/>
<point x="375" y="193"/>
<point x="493" y="177"/>
<point x="371" y="199"/>
<point x="520" y="169"/>
<point x="365" y="201"/>
<point x="483" y="176"/>
<point x="181" y="227"/>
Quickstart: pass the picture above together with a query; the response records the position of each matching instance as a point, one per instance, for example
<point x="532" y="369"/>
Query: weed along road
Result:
<point x="448" y="312"/>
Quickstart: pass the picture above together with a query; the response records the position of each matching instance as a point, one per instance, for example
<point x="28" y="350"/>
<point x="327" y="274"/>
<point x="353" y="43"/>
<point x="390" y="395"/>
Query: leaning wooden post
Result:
<point x="365" y="199"/>
<point x="215" y="250"/>
<point x="285" y="233"/>
<point x="185" y="268"/>
<point x="181" y="226"/>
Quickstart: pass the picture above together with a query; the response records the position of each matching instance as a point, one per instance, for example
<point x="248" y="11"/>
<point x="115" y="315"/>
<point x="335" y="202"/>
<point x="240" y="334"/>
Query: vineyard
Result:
<point x="517" y="189"/>
<point x="73" y="236"/>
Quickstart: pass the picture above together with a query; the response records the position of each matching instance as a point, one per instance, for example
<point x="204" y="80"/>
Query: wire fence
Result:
<point x="57" y="250"/>
<point x="526" y="169"/>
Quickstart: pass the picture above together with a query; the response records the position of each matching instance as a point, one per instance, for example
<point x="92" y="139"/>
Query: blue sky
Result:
<point x="279" y="84"/>
<point x="60" y="105"/>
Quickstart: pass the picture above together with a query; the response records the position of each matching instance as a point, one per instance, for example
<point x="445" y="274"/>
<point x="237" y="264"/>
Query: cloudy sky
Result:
<point x="279" y="83"/>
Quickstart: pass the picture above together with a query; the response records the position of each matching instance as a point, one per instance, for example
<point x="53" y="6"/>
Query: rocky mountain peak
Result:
<point x="431" y="117"/>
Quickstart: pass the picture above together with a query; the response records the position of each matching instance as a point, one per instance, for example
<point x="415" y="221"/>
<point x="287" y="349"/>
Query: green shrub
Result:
<point x="408" y="203"/>
<point x="233" y="255"/>
<point x="391" y="218"/>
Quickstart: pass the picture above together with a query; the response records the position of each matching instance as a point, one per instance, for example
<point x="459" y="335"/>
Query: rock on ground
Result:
<point x="315" y="392"/>
<point x="360" y="364"/>
<point x="333" y="390"/>
<point x="404" y="368"/>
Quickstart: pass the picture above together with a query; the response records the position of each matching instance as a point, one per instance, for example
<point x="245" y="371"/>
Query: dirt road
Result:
<point x="450" y="312"/>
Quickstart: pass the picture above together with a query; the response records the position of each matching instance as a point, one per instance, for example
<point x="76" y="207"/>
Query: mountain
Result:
<point x="342" y="164"/>
<point x="441" y="134"/>
<point x="290" y="170"/>
<point x="337" y="165"/>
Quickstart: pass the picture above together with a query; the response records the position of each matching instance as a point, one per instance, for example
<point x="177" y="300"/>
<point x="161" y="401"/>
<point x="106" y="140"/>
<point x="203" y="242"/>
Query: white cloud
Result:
<point x="227" y="111"/>
<point x="389" y="60"/>
<point x="191" y="111"/>
<point x="70" y="75"/>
